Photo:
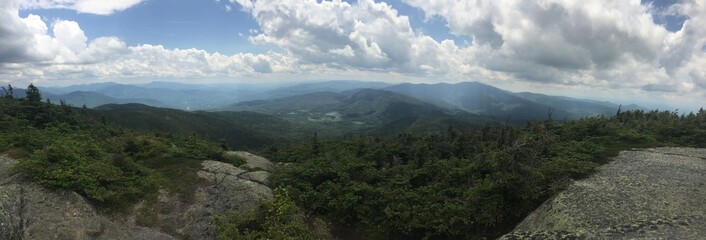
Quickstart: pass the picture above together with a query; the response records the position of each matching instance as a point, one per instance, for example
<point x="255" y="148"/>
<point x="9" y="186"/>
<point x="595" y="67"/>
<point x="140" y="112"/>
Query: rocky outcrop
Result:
<point x="254" y="161"/>
<point x="642" y="194"/>
<point x="231" y="188"/>
<point x="30" y="211"/>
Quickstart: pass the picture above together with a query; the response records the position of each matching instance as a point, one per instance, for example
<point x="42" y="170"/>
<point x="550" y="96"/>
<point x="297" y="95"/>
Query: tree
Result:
<point x="33" y="95"/>
<point x="8" y="91"/>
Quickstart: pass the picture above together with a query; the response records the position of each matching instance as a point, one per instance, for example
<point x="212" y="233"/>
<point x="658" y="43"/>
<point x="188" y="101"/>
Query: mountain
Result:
<point x="361" y="111"/>
<point x="480" y="99"/>
<point x="94" y="99"/>
<point x="192" y="96"/>
<point x="241" y="130"/>
<point x="161" y="94"/>
<point x="472" y="97"/>
<point x="91" y="87"/>
<point x="184" y="99"/>
<point x="326" y="86"/>
<point x="577" y="108"/>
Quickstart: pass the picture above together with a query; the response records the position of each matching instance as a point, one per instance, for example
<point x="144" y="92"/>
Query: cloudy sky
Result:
<point x="623" y="50"/>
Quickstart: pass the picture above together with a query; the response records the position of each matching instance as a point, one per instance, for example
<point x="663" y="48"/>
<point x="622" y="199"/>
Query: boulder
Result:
<point x="30" y="211"/>
<point x="642" y="194"/>
<point x="254" y="161"/>
<point x="226" y="191"/>
<point x="256" y="176"/>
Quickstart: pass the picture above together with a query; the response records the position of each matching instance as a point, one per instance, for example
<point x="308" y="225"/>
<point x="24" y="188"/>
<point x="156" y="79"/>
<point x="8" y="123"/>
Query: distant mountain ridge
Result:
<point x="577" y="108"/>
<point x="480" y="99"/>
<point x="240" y="130"/>
<point x="500" y="104"/>
<point x="193" y="96"/>
<point x="472" y="97"/>
<point x="361" y="111"/>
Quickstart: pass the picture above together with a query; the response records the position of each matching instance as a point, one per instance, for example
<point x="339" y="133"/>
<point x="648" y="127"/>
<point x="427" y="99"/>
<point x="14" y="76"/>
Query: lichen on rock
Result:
<point x="642" y="194"/>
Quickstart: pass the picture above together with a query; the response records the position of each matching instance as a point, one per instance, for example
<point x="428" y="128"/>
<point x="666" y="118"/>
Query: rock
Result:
<point x="30" y="211"/>
<point x="213" y="169"/>
<point x="227" y="191"/>
<point x="256" y="176"/>
<point x="642" y="194"/>
<point x="254" y="161"/>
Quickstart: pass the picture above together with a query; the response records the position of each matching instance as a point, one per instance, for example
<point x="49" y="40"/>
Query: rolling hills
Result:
<point x="480" y="99"/>
<point x="240" y="130"/>
<point x="365" y="111"/>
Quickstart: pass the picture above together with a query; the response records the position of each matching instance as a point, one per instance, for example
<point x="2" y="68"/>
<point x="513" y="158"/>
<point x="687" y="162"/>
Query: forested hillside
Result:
<point x="237" y="130"/>
<point x="62" y="147"/>
<point x="451" y="184"/>
<point x="362" y="111"/>
<point x="463" y="184"/>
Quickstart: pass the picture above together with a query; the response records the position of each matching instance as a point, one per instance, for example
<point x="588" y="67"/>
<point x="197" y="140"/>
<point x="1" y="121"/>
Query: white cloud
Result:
<point x="99" y="7"/>
<point x="364" y="35"/>
<point x="32" y="51"/>
<point x="594" y="43"/>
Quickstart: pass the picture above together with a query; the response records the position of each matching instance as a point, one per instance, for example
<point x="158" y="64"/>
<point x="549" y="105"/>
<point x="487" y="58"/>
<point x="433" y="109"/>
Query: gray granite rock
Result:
<point x="643" y="194"/>
<point x="230" y="188"/>
<point x="30" y="211"/>
<point x="256" y="176"/>
<point x="254" y="161"/>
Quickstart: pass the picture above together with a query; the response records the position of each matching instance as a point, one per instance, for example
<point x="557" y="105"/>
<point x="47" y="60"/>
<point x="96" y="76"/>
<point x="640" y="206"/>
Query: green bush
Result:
<point x="278" y="218"/>
<point x="84" y="167"/>
<point x="463" y="185"/>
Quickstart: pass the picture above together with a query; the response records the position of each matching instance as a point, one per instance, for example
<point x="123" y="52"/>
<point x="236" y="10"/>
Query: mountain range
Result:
<point x="361" y="111"/>
<point x="471" y="97"/>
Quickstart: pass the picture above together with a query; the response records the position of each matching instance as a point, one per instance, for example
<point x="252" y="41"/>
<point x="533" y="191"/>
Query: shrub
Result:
<point x="84" y="167"/>
<point x="278" y="218"/>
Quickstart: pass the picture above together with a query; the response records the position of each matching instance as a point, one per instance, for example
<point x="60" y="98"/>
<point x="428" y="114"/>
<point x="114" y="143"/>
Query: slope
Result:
<point x="94" y="99"/>
<point x="480" y="99"/>
<point x="240" y="130"/>
<point x="577" y="108"/>
<point x="361" y="111"/>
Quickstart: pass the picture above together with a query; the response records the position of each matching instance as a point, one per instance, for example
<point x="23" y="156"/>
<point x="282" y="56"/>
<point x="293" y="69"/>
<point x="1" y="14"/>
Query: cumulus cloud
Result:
<point x="32" y="50"/>
<point x="98" y="7"/>
<point x="603" y="43"/>
<point x="599" y="44"/>
<point x="363" y="35"/>
<point x="29" y="40"/>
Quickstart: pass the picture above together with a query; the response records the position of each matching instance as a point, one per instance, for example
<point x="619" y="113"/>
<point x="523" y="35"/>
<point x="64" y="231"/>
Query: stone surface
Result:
<point x="643" y="194"/>
<point x="227" y="191"/>
<point x="256" y="176"/>
<point x="254" y="161"/>
<point x="29" y="211"/>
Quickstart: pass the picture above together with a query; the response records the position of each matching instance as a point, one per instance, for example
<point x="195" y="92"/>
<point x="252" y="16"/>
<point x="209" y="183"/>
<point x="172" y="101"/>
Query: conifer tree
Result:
<point x="33" y="95"/>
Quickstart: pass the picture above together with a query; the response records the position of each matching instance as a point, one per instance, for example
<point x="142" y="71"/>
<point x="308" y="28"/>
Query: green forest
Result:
<point x="452" y="184"/>
<point x="63" y="147"/>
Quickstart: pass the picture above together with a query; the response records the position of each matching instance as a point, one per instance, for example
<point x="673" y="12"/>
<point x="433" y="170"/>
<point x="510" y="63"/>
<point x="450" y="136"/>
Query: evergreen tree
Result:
<point x="33" y="95"/>
<point x="8" y="91"/>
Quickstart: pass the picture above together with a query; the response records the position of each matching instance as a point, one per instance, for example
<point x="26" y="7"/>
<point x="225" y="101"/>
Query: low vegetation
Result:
<point x="278" y="218"/>
<point x="62" y="147"/>
<point x="463" y="185"/>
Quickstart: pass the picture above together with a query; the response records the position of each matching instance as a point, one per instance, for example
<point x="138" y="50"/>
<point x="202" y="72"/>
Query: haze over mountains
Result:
<point x="470" y="97"/>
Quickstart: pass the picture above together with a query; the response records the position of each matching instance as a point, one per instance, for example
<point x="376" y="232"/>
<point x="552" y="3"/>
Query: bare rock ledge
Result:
<point x="655" y="193"/>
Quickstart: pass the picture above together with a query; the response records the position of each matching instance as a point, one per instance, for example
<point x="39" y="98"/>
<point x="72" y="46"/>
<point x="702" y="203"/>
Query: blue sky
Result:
<point x="625" y="50"/>
<point x="203" y="24"/>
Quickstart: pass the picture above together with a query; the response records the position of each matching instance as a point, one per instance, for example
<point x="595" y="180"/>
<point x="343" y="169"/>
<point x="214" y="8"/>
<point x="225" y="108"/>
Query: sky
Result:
<point x="649" y="52"/>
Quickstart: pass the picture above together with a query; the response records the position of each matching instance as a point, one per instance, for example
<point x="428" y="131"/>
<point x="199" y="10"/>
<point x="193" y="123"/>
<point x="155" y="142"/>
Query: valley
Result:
<point x="249" y="117"/>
